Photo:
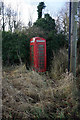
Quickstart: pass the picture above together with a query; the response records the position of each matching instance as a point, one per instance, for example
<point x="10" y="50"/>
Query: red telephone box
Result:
<point x="38" y="54"/>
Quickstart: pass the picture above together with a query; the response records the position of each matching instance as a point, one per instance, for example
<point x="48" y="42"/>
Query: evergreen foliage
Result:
<point x="46" y="23"/>
<point x="14" y="48"/>
<point x="40" y="7"/>
<point x="54" y="40"/>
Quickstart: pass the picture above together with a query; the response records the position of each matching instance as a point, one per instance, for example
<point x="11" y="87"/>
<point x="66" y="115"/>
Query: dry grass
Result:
<point x="28" y="95"/>
<point x="59" y="64"/>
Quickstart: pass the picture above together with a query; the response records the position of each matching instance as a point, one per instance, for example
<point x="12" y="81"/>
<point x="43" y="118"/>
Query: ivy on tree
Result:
<point x="40" y="7"/>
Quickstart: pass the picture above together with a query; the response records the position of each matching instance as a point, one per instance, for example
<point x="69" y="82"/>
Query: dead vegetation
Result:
<point x="28" y="95"/>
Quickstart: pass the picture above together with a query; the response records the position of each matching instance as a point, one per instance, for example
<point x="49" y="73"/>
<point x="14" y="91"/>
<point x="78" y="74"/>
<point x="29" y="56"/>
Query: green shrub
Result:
<point x="15" y="48"/>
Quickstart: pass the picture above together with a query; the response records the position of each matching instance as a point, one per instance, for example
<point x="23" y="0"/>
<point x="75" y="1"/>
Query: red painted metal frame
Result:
<point x="36" y="42"/>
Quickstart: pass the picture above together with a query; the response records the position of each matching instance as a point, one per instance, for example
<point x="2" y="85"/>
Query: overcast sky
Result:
<point x="28" y="8"/>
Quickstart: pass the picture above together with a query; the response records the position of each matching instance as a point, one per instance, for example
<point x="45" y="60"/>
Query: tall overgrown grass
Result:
<point x="27" y="95"/>
<point x="59" y="64"/>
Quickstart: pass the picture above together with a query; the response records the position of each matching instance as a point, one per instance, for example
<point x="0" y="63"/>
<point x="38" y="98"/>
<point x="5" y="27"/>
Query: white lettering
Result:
<point x="40" y="40"/>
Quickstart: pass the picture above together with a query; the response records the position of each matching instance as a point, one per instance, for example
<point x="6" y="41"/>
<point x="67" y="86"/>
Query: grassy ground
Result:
<point x="28" y="95"/>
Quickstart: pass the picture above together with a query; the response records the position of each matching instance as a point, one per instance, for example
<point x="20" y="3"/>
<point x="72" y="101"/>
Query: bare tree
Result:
<point x="79" y="19"/>
<point x="14" y="21"/>
<point x="3" y="17"/>
<point x="0" y="10"/>
<point x="63" y="20"/>
<point x="3" y="24"/>
<point x="9" y="15"/>
<point x="30" y="20"/>
<point x="9" y="18"/>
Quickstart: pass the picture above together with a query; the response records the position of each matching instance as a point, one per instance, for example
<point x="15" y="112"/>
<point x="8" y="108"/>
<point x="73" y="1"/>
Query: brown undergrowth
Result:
<point x="27" y="95"/>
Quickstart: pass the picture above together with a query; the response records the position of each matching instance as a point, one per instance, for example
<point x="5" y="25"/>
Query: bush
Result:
<point x="15" y="48"/>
